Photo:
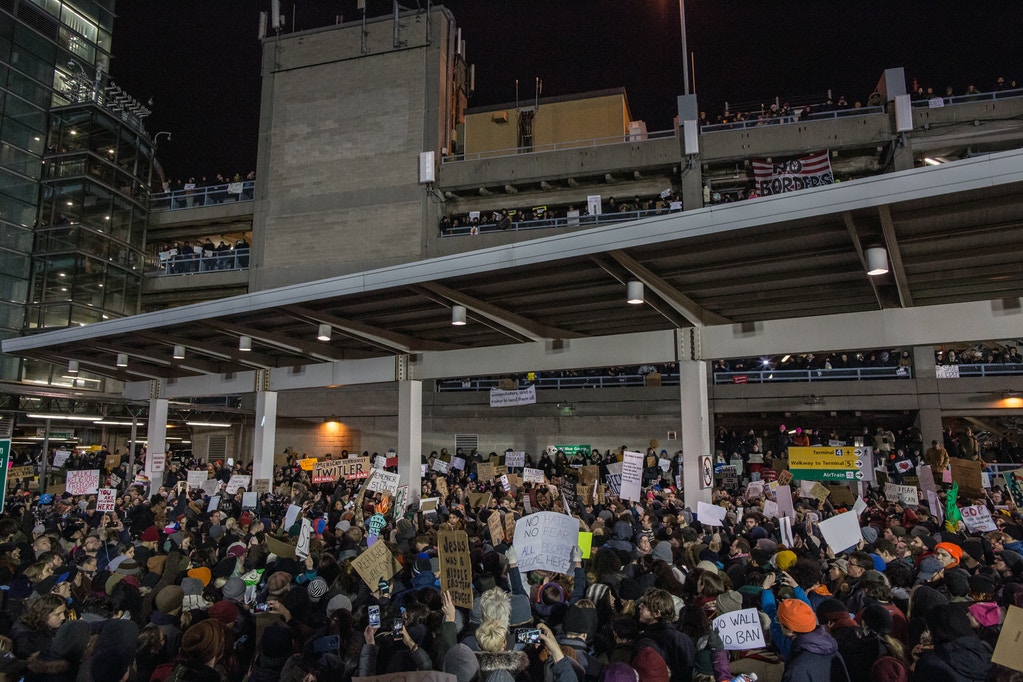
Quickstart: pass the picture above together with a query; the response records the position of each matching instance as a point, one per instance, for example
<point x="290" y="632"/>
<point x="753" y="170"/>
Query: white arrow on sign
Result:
<point x="859" y="464"/>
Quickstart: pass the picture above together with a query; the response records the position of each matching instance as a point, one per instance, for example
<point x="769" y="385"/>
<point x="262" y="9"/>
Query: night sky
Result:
<point x="199" y="59"/>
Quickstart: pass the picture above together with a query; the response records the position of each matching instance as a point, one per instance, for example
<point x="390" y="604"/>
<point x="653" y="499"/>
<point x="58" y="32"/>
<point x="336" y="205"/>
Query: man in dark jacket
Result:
<point x="814" y="655"/>
<point x="958" y="654"/>
<point x="656" y="614"/>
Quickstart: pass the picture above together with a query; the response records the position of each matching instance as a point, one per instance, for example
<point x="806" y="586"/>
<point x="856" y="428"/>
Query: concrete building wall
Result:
<point x="343" y="131"/>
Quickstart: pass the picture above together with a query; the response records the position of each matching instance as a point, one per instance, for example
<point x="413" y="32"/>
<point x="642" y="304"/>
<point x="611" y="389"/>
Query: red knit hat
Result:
<point x="151" y="534"/>
<point x="796" y="615"/>
<point x="650" y="665"/>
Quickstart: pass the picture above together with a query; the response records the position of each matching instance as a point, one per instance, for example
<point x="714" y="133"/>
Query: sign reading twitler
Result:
<point x="544" y="542"/>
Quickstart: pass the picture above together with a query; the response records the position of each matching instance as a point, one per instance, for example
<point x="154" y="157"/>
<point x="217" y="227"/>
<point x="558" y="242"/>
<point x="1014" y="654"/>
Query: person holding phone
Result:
<point x="402" y="643"/>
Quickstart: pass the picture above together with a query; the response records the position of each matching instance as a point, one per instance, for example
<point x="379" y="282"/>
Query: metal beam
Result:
<point x="514" y="322"/>
<point x="253" y="359"/>
<point x="290" y="344"/>
<point x="685" y="306"/>
<point x="895" y="256"/>
<point x="388" y="340"/>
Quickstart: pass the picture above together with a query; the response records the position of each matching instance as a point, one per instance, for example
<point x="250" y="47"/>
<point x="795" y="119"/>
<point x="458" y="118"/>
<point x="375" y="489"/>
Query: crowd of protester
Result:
<point x="172" y="585"/>
<point x="979" y="355"/>
<point x="205" y="191"/>
<point x="180" y="258"/>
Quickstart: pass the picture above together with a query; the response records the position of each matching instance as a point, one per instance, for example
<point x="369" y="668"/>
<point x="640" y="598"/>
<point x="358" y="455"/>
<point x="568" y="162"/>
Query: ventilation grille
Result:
<point x="6" y="425"/>
<point x="467" y="442"/>
<point x="217" y="448"/>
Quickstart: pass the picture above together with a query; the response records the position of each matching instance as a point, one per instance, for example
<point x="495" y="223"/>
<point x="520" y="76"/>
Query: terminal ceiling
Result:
<point x="952" y="233"/>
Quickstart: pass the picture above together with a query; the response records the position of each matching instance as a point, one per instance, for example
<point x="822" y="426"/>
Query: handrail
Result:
<point x="188" y="264"/>
<point x="795" y="117"/>
<point x="203" y="196"/>
<point x="575" y="221"/>
<point x="961" y="99"/>
<point x="987" y="369"/>
<point x="769" y="376"/>
<point x="560" y="146"/>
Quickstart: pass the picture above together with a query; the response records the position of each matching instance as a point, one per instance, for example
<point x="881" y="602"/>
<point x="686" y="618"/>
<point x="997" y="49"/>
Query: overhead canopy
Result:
<point x="952" y="234"/>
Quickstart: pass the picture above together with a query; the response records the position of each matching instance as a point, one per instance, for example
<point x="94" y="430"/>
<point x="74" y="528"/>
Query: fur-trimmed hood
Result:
<point x="512" y="662"/>
<point x="41" y="664"/>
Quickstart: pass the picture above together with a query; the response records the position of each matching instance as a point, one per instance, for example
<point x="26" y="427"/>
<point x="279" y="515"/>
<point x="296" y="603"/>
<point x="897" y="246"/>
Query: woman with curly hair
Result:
<point x="35" y="631"/>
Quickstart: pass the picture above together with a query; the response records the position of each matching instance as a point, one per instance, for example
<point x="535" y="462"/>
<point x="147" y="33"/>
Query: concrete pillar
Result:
<point x="157" y="439"/>
<point x="695" y="434"/>
<point x="264" y="435"/>
<point x="410" y="436"/>
<point x="927" y="392"/>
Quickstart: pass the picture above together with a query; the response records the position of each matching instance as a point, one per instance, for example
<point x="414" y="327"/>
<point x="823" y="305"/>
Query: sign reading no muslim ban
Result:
<point x="544" y="542"/>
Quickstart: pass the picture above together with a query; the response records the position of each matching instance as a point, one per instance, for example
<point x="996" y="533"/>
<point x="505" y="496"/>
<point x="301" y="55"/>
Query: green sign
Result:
<point x="572" y="450"/>
<point x="5" y="462"/>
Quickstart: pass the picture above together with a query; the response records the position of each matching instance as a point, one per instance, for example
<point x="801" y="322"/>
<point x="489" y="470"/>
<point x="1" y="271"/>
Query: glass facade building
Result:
<point x="75" y="166"/>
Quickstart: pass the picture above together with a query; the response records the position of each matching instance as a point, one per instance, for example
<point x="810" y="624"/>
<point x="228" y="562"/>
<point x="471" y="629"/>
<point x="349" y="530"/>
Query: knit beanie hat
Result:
<point x="662" y="551"/>
<point x="784" y="559"/>
<point x="111" y="659"/>
<point x="203" y="574"/>
<point x="958" y="582"/>
<point x="317" y="588"/>
<point x="338" y="602"/>
<point x="796" y="615"/>
<point x="157" y="563"/>
<point x="151" y="534"/>
<point x="520" y="610"/>
<point x="729" y="601"/>
<point x="169" y="599"/>
<point x="224" y="612"/>
<point x="929" y="542"/>
<point x="581" y="621"/>
<point x="619" y="672"/>
<point x="650" y="665"/>
<point x="278" y="583"/>
<point x="955" y="550"/>
<point x="276" y="643"/>
<point x="234" y="588"/>
<point x="461" y="662"/>
<point x="877" y="618"/>
<point x="830" y="609"/>
<point x="203" y="641"/>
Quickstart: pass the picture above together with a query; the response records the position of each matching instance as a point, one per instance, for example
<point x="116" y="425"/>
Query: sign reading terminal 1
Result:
<point x="832" y="463"/>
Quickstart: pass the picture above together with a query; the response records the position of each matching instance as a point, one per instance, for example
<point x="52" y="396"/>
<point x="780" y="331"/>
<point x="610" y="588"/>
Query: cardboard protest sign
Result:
<point x="533" y="476"/>
<point x="1009" y="647"/>
<point x="15" y="473"/>
<point x="196" y="478"/>
<point x="740" y="630"/>
<point x="238" y="481"/>
<point x="384" y="481"/>
<point x="905" y="494"/>
<point x="841" y="531"/>
<point x="455" y="566"/>
<point x="329" y="471"/>
<point x="819" y="491"/>
<point x="544" y="541"/>
<point x="509" y="527"/>
<point x="589" y="474"/>
<point x="485" y="471"/>
<point x="85" y="482"/>
<point x="841" y="495"/>
<point x="282" y="549"/>
<point x="784" y="477"/>
<point x="632" y="476"/>
<point x="106" y="500"/>
<point x="479" y="500"/>
<point x="374" y="564"/>
<point x="966" y="473"/>
<point x="710" y="514"/>
<point x="496" y="525"/>
<point x="442" y="488"/>
<point x="614" y="478"/>
<point x="978" y="519"/>
<point x="261" y="485"/>
<point x="111" y="462"/>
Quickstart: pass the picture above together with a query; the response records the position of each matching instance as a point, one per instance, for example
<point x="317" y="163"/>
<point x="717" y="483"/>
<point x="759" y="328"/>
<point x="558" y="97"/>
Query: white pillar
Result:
<point x="410" y="436"/>
<point x="156" y="437"/>
<point x="264" y="436"/>
<point x="695" y="427"/>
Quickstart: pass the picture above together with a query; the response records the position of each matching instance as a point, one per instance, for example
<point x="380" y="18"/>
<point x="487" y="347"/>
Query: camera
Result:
<point x="396" y="627"/>
<point x="527" y="636"/>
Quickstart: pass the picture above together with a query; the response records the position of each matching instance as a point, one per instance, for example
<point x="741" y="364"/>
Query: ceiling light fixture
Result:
<point x="245" y="343"/>
<point x="72" y="366"/>
<point x="877" y="261"/>
<point x="634" y="292"/>
<point x="179" y="352"/>
<point x="218" y="425"/>
<point x="458" y="315"/>
<point x="69" y="417"/>
<point x="323" y="333"/>
<point x="122" y="359"/>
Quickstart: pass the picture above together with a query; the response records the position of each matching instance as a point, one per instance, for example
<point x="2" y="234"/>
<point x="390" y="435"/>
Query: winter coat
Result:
<point x="962" y="660"/>
<point x="501" y="666"/>
<point x="43" y="667"/>
<point x="679" y="649"/>
<point x="814" y="658"/>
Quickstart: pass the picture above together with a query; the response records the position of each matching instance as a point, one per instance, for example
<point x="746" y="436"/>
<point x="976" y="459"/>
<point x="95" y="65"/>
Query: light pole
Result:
<point x="685" y="49"/>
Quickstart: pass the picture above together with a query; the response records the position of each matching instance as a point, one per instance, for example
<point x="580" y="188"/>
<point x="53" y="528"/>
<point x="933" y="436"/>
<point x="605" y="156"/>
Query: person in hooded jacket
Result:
<point x="813" y="656"/>
<point x="60" y="662"/>
<point x="958" y="654"/>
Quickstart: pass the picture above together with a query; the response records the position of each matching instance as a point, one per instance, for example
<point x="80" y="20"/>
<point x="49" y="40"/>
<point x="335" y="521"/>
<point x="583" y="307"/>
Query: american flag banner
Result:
<point x="793" y="175"/>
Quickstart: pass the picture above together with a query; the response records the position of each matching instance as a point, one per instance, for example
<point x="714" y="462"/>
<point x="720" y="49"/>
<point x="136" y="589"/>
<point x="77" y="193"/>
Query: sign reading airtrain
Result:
<point x="832" y="463"/>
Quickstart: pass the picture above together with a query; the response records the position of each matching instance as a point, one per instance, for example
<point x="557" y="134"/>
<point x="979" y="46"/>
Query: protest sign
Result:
<point x="261" y="485"/>
<point x="533" y="476"/>
<point x="496" y="527"/>
<point x="250" y="500"/>
<point x="307" y="464"/>
<point x="384" y="481"/>
<point x="159" y="462"/>
<point x="329" y="471"/>
<point x="214" y="503"/>
<point x="1008" y="651"/>
<point x="456" y="566"/>
<point x="819" y="491"/>
<point x="440" y="466"/>
<point x="770" y="509"/>
<point x="966" y="473"/>
<point x="935" y="505"/>
<point x="589" y="474"/>
<point x="904" y="494"/>
<point x="400" y="501"/>
<point x="210" y="486"/>
<point x="740" y="630"/>
<point x="114" y="480"/>
<point x="784" y="477"/>
<point x="755" y="490"/>
<point x="84" y="482"/>
<point x="302" y="546"/>
<point x="196" y="478"/>
<point x="457" y="463"/>
<point x="106" y="500"/>
<point x="291" y="515"/>
<point x="238" y="481"/>
<point x="977" y="518"/>
<point x="515" y="460"/>
<point x="664" y="464"/>
<point x="374" y="564"/>
<point x="485" y="471"/>
<point x="785" y="531"/>
<point x="842" y="531"/>
<point x="509" y="526"/>
<point x="841" y="495"/>
<point x="60" y="458"/>
<point x="859" y="506"/>
<point x="479" y="500"/>
<point x="544" y="541"/>
<point x="284" y="550"/>
<point x="783" y="495"/>
<point x="710" y="514"/>
<point x="614" y="477"/>
<point x="111" y="462"/>
<point x="632" y="476"/>
<point x="15" y="473"/>
<point x="442" y="488"/>
<point x="379" y="462"/>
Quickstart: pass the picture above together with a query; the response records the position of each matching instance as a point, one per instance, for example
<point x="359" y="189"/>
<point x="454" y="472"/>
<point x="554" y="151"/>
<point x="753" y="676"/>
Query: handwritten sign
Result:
<point x="380" y="462"/>
<point x="440" y="466"/>
<point x="458" y="463"/>
<point x="106" y="500"/>
<point x="261" y="485"/>
<point x="905" y="494"/>
<point x="384" y="482"/>
<point x="196" y="478"/>
<point x="740" y="630"/>
<point x="84" y="482"/>
<point x="111" y="462"/>
<point x="238" y="481"/>
<point x="455" y="566"/>
<point x="485" y="471"/>
<point x="533" y="475"/>
<point x="20" y="472"/>
<point x="374" y="564"/>
<point x="307" y="464"/>
<point x="250" y="500"/>
<point x="632" y="476"/>
<point x="329" y="471"/>
<point x="210" y="486"/>
<point x="978" y="519"/>
<point x="614" y="477"/>
<point x="544" y="542"/>
<point x="710" y="514"/>
<point x="496" y="527"/>
<point x="479" y="500"/>
<point x="515" y="460"/>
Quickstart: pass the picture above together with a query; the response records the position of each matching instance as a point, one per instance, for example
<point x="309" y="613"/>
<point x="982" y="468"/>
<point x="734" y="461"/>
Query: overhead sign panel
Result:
<point x="848" y="463"/>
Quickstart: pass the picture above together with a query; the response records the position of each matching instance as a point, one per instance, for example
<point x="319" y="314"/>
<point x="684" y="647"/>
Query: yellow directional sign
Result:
<point x="827" y="463"/>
